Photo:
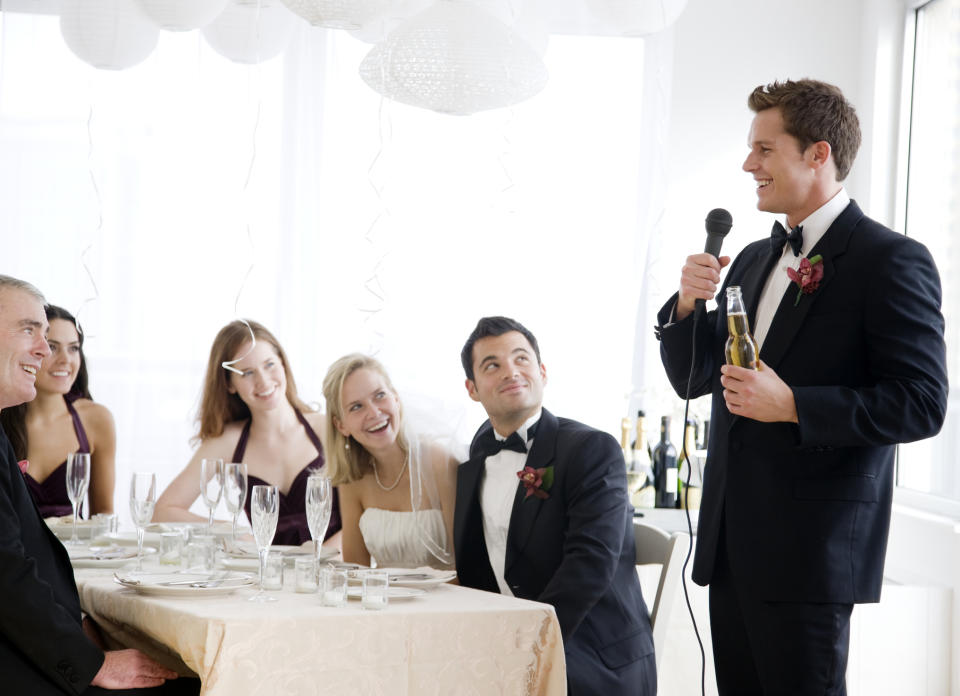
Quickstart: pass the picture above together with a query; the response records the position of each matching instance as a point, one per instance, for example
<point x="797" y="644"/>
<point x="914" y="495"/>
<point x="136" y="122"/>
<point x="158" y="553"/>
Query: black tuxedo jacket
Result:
<point x="43" y="649"/>
<point x="573" y="550"/>
<point x="806" y="507"/>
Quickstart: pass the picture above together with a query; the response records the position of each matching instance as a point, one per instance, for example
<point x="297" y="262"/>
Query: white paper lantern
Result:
<point x="338" y="14"/>
<point x="107" y="34"/>
<point x="247" y="33"/>
<point x="454" y="58"/>
<point x="636" y="17"/>
<point x="182" y="15"/>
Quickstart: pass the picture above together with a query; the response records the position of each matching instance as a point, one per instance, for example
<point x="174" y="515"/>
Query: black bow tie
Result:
<point x="489" y="444"/>
<point x="778" y="235"/>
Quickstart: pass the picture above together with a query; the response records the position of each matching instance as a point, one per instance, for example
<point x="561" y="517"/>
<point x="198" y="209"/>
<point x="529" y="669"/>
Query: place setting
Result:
<point x="184" y="583"/>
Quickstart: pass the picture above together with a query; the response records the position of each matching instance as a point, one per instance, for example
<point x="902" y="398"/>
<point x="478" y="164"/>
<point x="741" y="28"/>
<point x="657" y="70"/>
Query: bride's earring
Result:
<point x="346" y="445"/>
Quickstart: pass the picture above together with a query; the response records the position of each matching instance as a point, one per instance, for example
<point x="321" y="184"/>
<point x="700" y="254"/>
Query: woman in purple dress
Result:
<point x="250" y="412"/>
<point x="63" y="419"/>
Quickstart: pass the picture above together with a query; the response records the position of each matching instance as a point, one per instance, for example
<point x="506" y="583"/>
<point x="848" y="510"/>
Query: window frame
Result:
<point x="919" y="500"/>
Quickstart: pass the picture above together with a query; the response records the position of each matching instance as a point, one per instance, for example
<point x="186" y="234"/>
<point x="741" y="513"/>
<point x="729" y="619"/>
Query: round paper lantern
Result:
<point x="338" y="14"/>
<point x="454" y="58"/>
<point x="636" y="17"/>
<point x="107" y="34"/>
<point x="182" y="15"/>
<point x="246" y="33"/>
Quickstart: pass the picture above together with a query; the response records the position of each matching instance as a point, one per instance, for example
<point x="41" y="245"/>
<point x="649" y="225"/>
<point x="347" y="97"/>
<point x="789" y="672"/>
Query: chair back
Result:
<point x="653" y="545"/>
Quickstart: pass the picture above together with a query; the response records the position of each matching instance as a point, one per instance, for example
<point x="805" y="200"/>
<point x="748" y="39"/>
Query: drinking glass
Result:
<point x="143" y="496"/>
<point x="211" y="485"/>
<point x="319" y="505"/>
<point x="78" y="478"/>
<point x="235" y="489"/>
<point x="264" y="511"/>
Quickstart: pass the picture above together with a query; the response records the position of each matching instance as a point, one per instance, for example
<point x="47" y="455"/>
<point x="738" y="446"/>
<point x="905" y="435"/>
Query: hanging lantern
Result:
<point x="338" y="14"/>
<point x="636" y="17"/>
<point x="182" y="15"/>
<point x="248" y="32"/>
<point x="454" y="58"/>
<point x="107" y="34"/>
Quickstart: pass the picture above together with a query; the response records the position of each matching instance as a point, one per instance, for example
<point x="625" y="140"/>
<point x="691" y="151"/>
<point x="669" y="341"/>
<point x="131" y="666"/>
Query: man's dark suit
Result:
<point x="51" y="656"/>
<point x="806" y="507"/>
<point x="573" y="550"/>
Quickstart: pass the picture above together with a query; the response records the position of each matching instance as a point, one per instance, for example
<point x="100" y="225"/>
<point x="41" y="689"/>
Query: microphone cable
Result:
<point x="685" y="501"/>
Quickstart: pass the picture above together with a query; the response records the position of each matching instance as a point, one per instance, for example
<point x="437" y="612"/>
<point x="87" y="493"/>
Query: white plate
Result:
<point x="249" y="550"/>
<point x="393" y="593"/>
<point x="411" y="577"/>
<point x="158" y="584"/>
<point x="104" y="556"/>
<point x="219" y="529"/>
<point x="63" y="528"/>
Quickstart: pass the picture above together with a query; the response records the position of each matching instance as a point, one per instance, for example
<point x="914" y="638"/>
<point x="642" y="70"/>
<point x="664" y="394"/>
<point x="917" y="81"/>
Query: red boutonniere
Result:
<point x="24" y="465"/>
<point x="536" y="481"/>
<point x="807" y="277"/>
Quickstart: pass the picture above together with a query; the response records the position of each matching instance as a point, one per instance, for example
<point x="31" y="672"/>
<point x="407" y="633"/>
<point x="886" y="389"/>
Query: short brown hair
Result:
<point x="813" y="111"/>
<point x="217" y="405"/>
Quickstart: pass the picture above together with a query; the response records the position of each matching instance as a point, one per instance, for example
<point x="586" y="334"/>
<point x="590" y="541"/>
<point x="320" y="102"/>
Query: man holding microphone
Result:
<point x="800" y="471"/>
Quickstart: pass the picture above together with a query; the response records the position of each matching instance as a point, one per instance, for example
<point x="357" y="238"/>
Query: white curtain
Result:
<point x="164" y="200"/>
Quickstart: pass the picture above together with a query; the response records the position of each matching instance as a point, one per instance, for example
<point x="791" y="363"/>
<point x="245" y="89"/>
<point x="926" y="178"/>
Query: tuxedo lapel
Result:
<point x="790" y="315"/>
<point x="526" y="509"/>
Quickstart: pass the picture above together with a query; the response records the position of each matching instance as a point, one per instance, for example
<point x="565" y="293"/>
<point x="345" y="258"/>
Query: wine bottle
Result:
<point x="665" y="467"/>
<point x="625" y="426"/>
<point x="741" y="348"/>
<point x="645" y="494"/>
<point x="689" y="496"/>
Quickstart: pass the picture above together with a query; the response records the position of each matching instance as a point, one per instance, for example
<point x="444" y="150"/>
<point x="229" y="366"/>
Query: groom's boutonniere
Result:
<point x="536" y="481"/>
<point x="807" y="277"/>
<point x="24" y="465"/>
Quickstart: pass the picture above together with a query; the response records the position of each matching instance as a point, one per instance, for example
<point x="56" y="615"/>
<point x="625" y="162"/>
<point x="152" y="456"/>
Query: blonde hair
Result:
<point x="348" y="465"/>
<point x="217" y="405"/>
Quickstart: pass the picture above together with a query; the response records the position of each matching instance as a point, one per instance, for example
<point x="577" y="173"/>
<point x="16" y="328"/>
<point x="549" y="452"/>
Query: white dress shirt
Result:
<point x="814" y="227"/>
<point x="497" y="491"/>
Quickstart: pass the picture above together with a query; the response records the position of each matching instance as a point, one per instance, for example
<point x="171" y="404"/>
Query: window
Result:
<point x="930" y="213"/>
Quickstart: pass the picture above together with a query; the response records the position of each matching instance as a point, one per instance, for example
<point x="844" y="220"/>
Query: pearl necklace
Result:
<point x="395" y="483"/>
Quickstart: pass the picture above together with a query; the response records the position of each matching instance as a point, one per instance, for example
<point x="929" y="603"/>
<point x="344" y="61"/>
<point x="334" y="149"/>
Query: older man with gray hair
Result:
<point x="46" y="647"/>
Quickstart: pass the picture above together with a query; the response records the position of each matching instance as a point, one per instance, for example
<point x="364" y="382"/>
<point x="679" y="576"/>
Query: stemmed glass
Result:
<point x="143" y="496"/>
<point x="78" y="478"/>
<point x="235" y="489"/>
<point x="319" y="505"/>
<point x="211" y="485"/>
<point x="264" y="511"/>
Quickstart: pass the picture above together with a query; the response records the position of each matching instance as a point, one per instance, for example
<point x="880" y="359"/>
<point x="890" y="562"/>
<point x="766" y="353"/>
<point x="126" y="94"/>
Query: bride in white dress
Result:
<point x="396" y="491"/>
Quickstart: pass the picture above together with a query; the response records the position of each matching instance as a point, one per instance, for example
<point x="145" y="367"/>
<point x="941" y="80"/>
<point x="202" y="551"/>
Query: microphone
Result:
<point x="718" y="223"/>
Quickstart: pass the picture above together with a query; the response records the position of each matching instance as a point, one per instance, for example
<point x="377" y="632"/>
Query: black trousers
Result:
<point x="775" y="648"/>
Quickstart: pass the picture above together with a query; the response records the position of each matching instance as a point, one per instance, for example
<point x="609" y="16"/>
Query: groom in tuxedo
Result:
<point x="800" y="468"/>
<point x="542" y="513"/>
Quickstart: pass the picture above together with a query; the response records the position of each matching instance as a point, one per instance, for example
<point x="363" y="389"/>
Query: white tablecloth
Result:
<point x="454" y="640"/>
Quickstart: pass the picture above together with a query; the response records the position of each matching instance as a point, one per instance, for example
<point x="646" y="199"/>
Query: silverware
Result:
<point x="212" y="581"/>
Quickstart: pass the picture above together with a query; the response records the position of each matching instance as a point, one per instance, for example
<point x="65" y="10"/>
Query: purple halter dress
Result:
<point x="292" y="526"/>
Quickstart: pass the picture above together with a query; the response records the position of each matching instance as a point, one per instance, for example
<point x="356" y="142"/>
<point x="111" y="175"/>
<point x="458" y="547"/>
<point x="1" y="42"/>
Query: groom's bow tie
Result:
<point x="778" y="235"/>
<point x="489" y="444"/>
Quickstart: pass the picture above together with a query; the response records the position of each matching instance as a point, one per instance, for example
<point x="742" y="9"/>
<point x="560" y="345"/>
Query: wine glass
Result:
<point x="264" y="511"/>
<point x="78" y="478"/>
<point x="143" y="496"/>
<point x="319" y="505"/>
<point x="211" y="485"/>
<point x="235" y="489"/>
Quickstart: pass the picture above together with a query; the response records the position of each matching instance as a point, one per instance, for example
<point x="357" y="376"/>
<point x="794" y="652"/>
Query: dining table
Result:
<point x="448" y="640"/>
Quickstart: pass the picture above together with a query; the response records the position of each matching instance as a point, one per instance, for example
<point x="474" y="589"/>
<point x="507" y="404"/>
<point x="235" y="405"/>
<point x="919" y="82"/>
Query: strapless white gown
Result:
<point x="395" y="539"/>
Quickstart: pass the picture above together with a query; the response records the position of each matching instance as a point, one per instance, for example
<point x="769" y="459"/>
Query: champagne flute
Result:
<point x="143" y="496"/>
<point x="78" y="478"/>
<point x="211" y="485"/>
<point x="235" y="489"/>
<point x="264" y="511"/>
<point x="319" y="505"/>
